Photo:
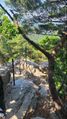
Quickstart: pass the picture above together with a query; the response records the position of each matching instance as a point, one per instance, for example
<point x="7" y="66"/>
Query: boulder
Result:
<point x="5" y="73"/>
<point x="43" y="66"/>
<point x="21" y="97"/>
<point x="43" y="90"/>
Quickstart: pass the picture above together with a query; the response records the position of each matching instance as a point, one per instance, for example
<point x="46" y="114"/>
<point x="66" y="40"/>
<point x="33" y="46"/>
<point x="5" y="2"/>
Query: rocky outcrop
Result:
<point x="32" y="66"/>
<point x="5" y="73"/>
<point x="22" y="97"/>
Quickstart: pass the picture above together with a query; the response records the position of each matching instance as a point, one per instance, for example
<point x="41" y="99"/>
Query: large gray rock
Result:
<point x="5" y="73"/>
<point x="20" y="98"/>
<point x="43" y="66"/>
<point x="43" y="90"/>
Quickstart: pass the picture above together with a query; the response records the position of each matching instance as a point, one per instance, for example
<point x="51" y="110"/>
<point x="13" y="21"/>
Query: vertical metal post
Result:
<point x="13" y="72"/>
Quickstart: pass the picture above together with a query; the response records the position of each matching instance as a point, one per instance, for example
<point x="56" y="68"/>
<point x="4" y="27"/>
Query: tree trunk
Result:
<point x="51" y="81"/>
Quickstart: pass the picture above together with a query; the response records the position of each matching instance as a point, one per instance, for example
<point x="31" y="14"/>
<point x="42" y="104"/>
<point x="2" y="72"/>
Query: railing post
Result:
<point x="13" y="72"/>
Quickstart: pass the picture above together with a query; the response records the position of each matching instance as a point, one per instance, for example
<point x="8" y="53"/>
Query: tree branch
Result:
<point x="47" y="54"/>
<point x="6" y="12"/>
<point x="35" y="44"/>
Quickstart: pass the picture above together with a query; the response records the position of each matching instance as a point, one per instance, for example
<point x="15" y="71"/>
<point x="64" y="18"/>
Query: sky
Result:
<point x="3" y="3"/>
<point x="5" y="6"/>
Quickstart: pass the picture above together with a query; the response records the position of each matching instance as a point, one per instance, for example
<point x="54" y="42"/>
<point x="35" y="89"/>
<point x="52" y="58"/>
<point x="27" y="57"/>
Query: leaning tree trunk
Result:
<point x="51" y="81"/>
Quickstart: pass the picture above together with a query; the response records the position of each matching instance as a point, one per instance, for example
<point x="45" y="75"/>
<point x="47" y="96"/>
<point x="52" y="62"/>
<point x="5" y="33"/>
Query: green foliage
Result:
<point x="1" y="13"/>
<point x="60" y="74"/>
<point x="7" y="29"/>
<point x="13" y="45"/>
<point x="48" y="42"/>
<point x="60" y="68"/>
<point x="10" y="40"/>
<point x="61" y="12"/>
<point x="31" y="53"/>
<point x="49" y="26"/>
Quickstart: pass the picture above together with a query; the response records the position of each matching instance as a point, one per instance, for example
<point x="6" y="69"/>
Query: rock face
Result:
<point x="5" y="73"/>
<point x="43" y="90"/>
<point x="20" y="98"/>
<point x="43" y="66"/>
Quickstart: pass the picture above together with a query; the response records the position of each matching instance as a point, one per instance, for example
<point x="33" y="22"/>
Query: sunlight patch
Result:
<point x="9" y="110"/>
<point x="12" y="102"/>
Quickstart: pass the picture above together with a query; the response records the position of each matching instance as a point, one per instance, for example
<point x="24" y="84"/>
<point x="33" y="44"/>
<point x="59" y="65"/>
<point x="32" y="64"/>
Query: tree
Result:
<point x="51" y="58"/>
<point x="10" y="42"/>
